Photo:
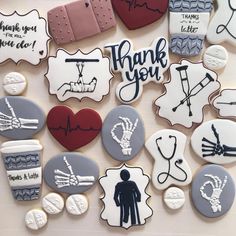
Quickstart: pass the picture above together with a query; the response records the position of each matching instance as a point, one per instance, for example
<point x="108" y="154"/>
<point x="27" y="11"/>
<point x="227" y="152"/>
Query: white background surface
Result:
<point x="164" y="222"/>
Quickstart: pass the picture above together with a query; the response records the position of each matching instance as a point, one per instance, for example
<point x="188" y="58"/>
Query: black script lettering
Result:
<point x="12" y="28"/>
<point x="4" y="43"/>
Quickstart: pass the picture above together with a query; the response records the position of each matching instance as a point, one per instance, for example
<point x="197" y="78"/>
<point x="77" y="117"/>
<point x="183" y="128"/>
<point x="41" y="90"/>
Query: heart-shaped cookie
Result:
<point x="138" y="13"/>
<point x="73" y="130"/>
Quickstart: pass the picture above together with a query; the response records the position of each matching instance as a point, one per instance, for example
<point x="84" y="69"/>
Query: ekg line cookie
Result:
<point x="80" y="19"/>
<point x="188" y="25"/>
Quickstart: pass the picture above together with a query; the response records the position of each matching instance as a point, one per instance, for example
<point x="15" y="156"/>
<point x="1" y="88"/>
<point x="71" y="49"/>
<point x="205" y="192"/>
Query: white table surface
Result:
<point x="163" y="222"/>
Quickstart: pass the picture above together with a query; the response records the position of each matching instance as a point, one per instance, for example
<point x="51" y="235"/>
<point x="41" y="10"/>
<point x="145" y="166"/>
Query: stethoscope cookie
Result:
<point x="213" y="141"/>
<point x="125" y="197"/>
<point x="123" y="133"/>
<point x="222" y="26"/>
<point x="135" y="14"/>
<point x="213" y="191"/>
<point x="71" y="173"/>
<point x="170" y="167"/>
<point x="20" y="118"/>
<point x="22" y="160"/>
<point x="188" y="25"/>
<point x="225" y="103"/>
<point x="138" y="67"/>
<point x="73" y="130"/>
<point x="23" y="37"/>
<point x="87" y="75"/>
<point x="187" y="92"/>
<point x="14" y="83"/>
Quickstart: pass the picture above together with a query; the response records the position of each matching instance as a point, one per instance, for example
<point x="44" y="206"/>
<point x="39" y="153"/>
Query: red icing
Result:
<point x="73" y="130"/>
<point x="138" y="13"/>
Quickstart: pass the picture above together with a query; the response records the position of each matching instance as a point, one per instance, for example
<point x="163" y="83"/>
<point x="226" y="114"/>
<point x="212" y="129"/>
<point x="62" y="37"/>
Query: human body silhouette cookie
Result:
<point x="123" y="133"/>
<point x="214" y="141"/>
<point x="139" y="13"/>
<point x="170" y="167"/>
<point x="222" y="26"/>
<point x="79" y="75"/>
<point x="125" y="197"/>
<point x="187" y="92"/>
<point x="138" y="67"/>
<point x="213" y="191"/>
<point x="188" y="25"/>
<point x="225" y="103"/>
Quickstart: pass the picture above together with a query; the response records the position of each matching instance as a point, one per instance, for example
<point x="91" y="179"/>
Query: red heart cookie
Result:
<point x="138" y="13"/>
<point x="73" y="130"/>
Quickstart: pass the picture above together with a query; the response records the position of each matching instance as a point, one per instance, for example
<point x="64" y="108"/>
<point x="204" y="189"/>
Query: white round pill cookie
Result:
<point x="53" y="203"/>
<point x="77" y="204"/>
<point x="215" y="57"/>
<point x="35" y="219"/>
<point x="14" y="83"/>
<point x="174" y="198"/>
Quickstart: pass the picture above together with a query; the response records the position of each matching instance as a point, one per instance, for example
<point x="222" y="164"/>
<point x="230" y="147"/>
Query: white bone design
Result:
<point x="128" y="129"/>
<point x="217" y="188"/>
<point x="8" y="122"/>
<point x="63" y="179"/>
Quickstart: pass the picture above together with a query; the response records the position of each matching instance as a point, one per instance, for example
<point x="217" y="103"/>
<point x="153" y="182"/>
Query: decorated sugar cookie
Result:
<point x="187" y="92"/>
<point x="77" y="204"/>
<point x="22" y="160"/>
<point x="125" y="197"/>
<point x="215" y="57"/>
<point x="225" y="103"/>
<point x="188" y="25"/>
<point x="79" y="75"/>
<point x="23" y="37"/>
<point x="222" y="26"/>
<point x="73" y="130"/>
<point x="36" y="219"/>
<point x="136" y="14"/>
<point x="71" y="173"/>
<point x="20" y="118"/>
<point x="123" y="133"/>
<point x="80" y="19"/>
<point x="14" y="83"/>
<point x="170" y="167"/>
<point x="213" y="191"/>
<point x="138" y="67"/>
<point x="214" y="141"/>
<point x="174" y="198"/>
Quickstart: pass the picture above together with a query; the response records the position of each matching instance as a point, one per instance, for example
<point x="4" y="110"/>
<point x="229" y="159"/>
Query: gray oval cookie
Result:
<point x="20" y="118"/>
<point x="71" y="173"/>
<point x="123" y="133"/>
<point x="213" y="191"/>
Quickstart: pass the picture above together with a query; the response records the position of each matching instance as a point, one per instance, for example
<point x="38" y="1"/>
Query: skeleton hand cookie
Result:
<point x="187" y="92"/>
<point x="213" y="191"/>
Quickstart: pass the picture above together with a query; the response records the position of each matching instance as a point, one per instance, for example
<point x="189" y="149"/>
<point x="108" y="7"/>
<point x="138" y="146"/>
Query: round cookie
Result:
<point x="213" y="191"/>
<point x="174" y="198"/>
<point x="77" y="204"/>
<point x="14" y="83"/>
<point x="53" y="203"/>
<point x="215" y="57"/>
<point x="123" y="133"/>
<point x="35" y="219"/>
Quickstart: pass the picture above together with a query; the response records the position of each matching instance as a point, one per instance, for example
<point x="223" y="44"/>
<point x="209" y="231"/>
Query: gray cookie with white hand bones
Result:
<point x="123" y="133"/>
<point x="213" y="191"/>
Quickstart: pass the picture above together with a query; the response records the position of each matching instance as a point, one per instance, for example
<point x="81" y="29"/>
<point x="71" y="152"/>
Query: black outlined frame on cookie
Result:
<point x="125" y="176"/>
<point x="69" y="88"/>
<point x="16" y="35"/>
<point x="185" y="100"/>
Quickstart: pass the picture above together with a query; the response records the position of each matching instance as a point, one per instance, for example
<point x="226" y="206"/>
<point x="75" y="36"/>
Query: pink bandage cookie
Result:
<point x="80" y="19"/>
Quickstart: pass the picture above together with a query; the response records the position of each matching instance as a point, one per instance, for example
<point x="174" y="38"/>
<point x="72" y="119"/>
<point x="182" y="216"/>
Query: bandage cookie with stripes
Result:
<point x="188" y="25"/>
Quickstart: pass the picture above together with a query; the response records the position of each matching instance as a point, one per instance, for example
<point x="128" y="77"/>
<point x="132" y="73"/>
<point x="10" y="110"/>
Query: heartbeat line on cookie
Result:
<point x="134" y="4"/>
<point x="226" y="103"/>
<point x="68" y="129"/>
